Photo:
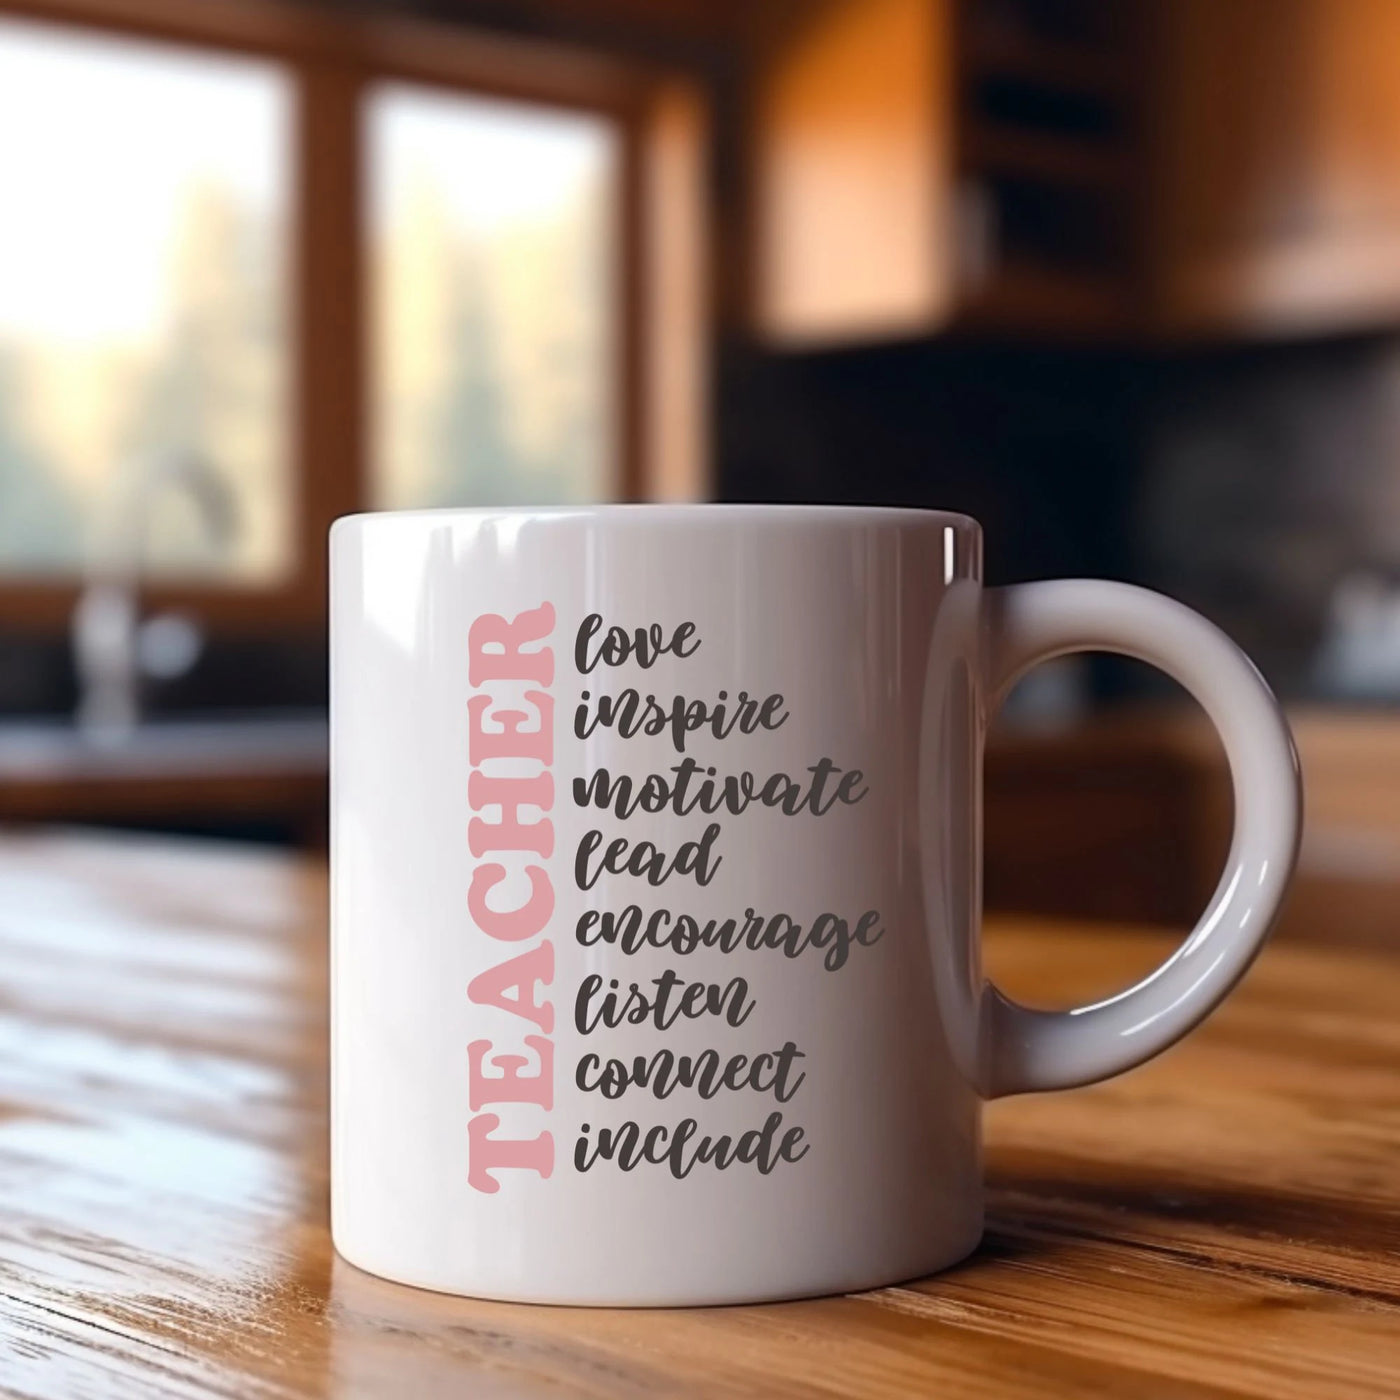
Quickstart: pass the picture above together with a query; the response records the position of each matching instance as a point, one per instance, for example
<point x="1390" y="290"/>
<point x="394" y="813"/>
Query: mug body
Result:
<point x="655" y="840"/>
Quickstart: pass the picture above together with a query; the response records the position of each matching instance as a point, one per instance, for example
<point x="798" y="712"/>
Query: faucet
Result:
<point x="113" y="648"/>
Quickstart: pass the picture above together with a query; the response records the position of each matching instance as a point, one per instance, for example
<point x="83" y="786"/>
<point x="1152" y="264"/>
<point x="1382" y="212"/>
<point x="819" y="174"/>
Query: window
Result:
<point x="143" y="304"/>
<point x="314" y="262"/>
<point x="492" y="233"/>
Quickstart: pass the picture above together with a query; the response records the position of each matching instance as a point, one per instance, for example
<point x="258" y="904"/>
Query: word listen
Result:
<point x="511" y="751"/>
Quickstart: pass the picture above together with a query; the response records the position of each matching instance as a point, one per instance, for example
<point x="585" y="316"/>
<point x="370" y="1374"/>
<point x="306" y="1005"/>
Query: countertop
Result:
<point x="1224" y="1222"/>
<point x="268" y="765"/>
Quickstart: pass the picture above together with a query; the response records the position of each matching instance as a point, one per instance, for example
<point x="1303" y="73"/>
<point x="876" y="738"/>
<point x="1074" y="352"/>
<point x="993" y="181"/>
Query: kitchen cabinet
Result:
<point x="1144" y="169"/>
<point x="923" y="163"/>
<point x="854" y="170"/>
<point x="264" y="772"/>
<point x="1275" y="198"/>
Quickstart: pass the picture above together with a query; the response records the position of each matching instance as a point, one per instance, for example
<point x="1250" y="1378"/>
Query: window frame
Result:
<point x="331" y="62"/>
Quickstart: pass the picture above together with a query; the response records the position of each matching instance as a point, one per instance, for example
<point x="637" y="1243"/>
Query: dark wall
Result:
<point x="1257" y="483"/>
<point x="1268" y="494"/>
<point x="1033" y="442"/>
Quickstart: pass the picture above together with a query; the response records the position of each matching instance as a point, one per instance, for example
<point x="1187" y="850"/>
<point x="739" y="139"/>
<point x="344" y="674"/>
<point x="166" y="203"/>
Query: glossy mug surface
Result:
<point x="655" y="895"/>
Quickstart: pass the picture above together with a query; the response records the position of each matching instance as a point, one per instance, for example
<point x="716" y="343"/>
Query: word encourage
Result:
<point x="612" y="852"/>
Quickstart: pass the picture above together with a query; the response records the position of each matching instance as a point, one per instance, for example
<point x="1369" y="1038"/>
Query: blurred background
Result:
<point x="1119" y="277"/>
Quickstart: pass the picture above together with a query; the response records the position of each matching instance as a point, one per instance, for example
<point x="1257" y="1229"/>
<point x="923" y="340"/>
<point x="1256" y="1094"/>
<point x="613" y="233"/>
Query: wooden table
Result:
<point x="1224" y="1222"/>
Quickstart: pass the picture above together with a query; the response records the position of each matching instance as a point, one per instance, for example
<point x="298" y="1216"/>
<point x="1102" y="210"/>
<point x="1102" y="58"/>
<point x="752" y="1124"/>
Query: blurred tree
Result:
<point x="215" y="386"/>
<point x="39" y="520"/>
<point x="472" y="462"/>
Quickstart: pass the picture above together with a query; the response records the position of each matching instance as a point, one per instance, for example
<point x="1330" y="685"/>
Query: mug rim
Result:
<point x="689" y="512"/>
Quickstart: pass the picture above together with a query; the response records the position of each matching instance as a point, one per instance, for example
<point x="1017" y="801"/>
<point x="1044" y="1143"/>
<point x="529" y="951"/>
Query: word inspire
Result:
<point x="694" y="787"/>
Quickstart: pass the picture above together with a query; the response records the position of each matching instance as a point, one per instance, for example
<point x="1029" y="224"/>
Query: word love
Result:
<point x="615" y="646"/>
<point x="631" y="713"/>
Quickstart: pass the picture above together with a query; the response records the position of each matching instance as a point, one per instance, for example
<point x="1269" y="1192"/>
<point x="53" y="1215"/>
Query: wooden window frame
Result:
<point x="332" y="60"/>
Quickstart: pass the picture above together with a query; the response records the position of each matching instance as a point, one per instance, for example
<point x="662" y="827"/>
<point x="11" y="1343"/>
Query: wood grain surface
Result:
<point x="1225" y="1222"/>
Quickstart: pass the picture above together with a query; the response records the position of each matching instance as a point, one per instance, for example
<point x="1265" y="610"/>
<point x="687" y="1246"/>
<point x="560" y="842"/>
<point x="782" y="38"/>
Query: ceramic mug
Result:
<point x="656" y="890"/>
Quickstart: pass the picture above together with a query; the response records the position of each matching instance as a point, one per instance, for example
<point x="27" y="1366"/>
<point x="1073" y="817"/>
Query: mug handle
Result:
<point x="1026" y="1050"/>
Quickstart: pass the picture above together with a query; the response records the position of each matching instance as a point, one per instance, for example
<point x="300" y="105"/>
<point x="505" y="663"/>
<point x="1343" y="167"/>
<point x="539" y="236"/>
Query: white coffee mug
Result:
<point x="656" y="890"/>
